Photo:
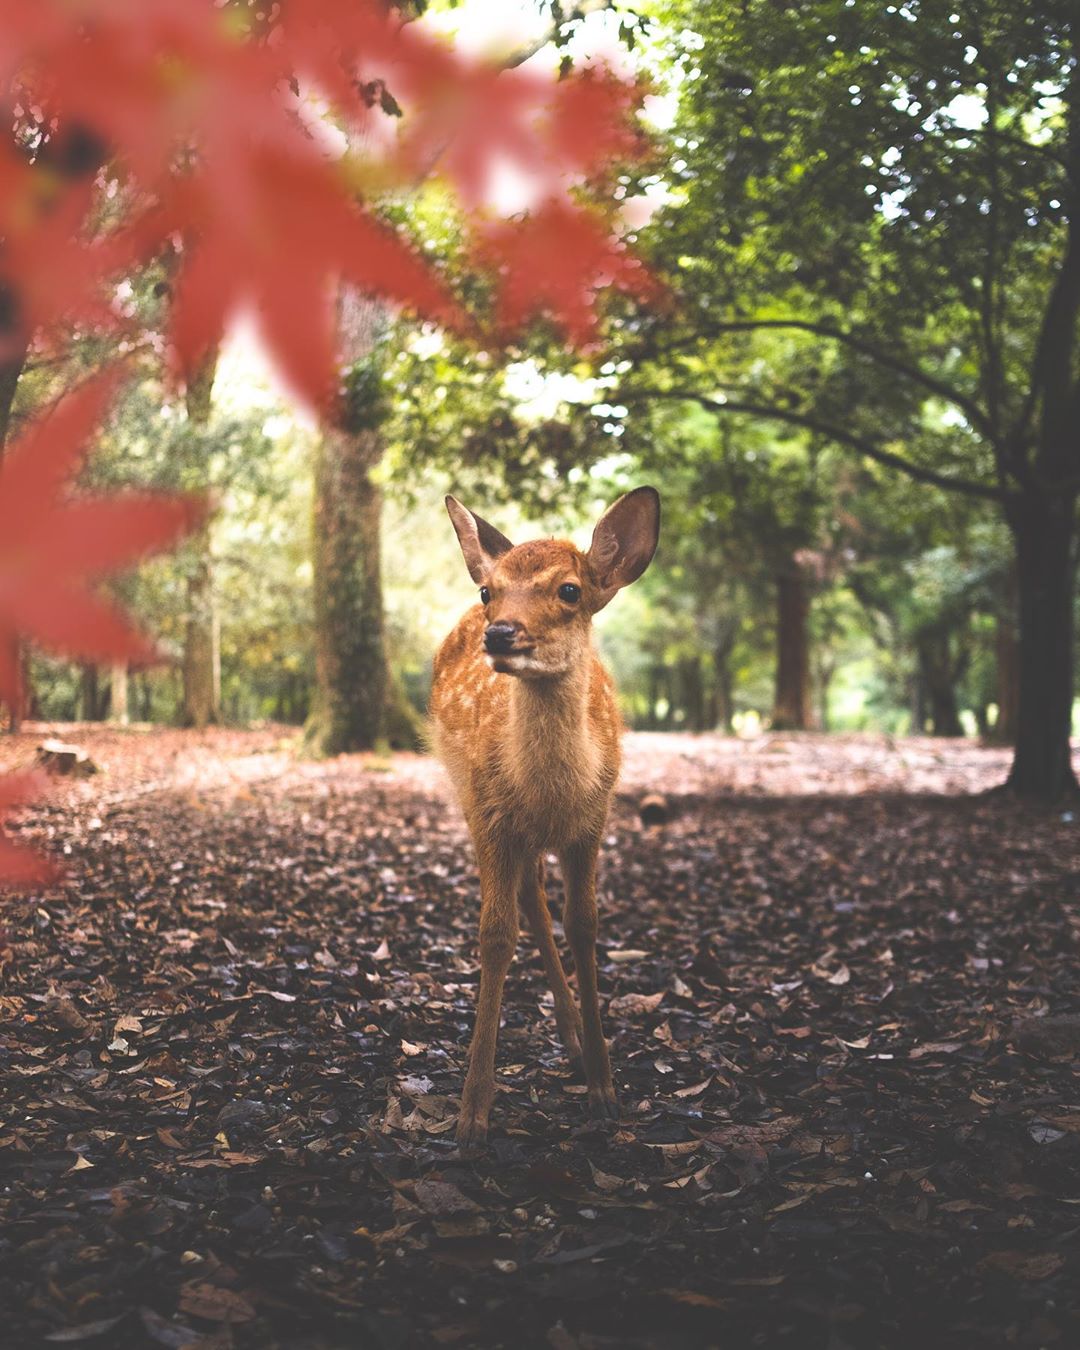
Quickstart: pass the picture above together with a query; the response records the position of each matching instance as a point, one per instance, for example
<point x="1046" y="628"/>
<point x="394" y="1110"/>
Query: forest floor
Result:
<point x="843" y="1004"/>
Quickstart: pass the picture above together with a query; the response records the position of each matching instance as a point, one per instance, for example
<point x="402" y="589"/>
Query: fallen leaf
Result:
<point x="1023" y="1265"/>
<point x="633" y="1005"/>
<point x="200" y="1298"/>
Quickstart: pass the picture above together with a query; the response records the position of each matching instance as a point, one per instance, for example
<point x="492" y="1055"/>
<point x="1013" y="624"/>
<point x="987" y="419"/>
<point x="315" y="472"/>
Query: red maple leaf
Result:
<point x="281" y="252"/>
<point x="554" y="262"/>
<point x="199" y="117"/>
<point x="20" y="866"/>
<point x="54" y="546"/>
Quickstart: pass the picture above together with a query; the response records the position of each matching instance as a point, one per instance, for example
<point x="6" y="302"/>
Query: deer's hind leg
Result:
<point x="579" y="875"/>
<point x="535" y="908"/>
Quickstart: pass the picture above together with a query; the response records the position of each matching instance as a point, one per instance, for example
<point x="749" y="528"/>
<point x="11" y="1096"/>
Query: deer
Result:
<point x="525" y="720"/>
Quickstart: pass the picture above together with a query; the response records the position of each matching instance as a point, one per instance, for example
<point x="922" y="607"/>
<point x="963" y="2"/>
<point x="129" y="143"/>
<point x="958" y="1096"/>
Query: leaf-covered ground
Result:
<point x="841" y="1010"/>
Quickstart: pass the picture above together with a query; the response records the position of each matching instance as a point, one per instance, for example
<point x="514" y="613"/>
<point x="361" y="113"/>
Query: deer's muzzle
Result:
<point x="502" y="637"/>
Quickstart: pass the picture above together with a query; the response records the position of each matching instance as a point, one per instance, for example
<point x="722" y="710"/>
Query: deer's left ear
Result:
<point x="624" y="541"/>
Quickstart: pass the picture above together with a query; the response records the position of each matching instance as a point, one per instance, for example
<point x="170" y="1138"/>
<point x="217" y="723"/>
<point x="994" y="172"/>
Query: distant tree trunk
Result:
<point x="692" y="693"/>
<point x="1007" y="660"/>
<point x="938" y="679"/>
<point x="723" y="686"/>
<point x="652" y="719"/>
<point x="671" y="698"/>
<point x="202" y="657"/>
<point x="91" y="695"/>
<point x="825" y="672"/>
<point x="118" y="694"/>
<point x="144" y="696"/>
<point x="918" y="703"/>
<point x="791" y="707"/>
<point x="10" y="372"/>
<point x="1044" y="531"/>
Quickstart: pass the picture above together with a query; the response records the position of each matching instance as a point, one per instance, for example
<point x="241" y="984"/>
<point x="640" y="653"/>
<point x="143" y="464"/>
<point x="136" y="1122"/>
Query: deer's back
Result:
<point x="515" y="757"/>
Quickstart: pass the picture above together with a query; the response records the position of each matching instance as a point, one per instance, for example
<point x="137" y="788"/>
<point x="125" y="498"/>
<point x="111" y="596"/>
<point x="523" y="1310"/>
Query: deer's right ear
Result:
<point x="480" y="542"/>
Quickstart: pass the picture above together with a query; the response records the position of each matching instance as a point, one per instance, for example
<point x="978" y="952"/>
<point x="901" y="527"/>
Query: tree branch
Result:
<point x="808" y="422"/>
<point x="887" y="360"/>
<point x="1003" y="138"/>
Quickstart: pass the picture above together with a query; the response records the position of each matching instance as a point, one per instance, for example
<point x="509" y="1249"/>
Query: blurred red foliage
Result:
<point x="211" y="131"/>
<point x="20" y="866"/>
<point x="54" y="547"/>
<point x="201" y="130"/>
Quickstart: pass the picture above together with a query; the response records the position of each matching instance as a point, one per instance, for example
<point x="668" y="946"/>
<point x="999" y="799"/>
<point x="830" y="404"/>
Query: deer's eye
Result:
<point x="485" y="595"/>
<point x="570" y="593"/>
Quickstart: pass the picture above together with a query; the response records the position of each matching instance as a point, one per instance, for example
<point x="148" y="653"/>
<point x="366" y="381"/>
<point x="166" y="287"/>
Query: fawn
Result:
<point x="524" y="718"/>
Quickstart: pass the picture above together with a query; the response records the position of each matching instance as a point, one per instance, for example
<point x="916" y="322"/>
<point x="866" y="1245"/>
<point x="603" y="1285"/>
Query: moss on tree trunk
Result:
<point x="350" y="656"/>
<point x="357" y="703"/>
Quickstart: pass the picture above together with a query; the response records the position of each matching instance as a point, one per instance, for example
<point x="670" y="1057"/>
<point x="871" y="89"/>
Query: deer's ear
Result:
<point x="624" y="541"/>
<point x="480" y="542"/>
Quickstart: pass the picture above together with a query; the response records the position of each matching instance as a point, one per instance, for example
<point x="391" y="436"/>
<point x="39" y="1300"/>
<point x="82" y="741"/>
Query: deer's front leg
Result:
<point x="500" y="880"/>
<point x="579" y="875"/>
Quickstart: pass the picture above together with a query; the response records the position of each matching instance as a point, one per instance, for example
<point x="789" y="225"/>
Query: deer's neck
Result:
<point x="548" y="733"/>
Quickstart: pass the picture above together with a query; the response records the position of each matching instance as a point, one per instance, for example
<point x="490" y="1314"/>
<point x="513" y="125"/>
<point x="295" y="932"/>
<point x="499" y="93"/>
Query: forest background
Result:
<point x="855" y="384"/>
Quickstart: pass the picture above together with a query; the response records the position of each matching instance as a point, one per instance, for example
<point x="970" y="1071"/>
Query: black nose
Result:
<point x="499" y="637"/>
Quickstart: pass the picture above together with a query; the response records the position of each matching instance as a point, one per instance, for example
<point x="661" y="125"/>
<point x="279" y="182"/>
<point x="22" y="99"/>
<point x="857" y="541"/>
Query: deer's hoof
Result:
<point x="604" y="1106"/>
<point x="472" y="1130"/>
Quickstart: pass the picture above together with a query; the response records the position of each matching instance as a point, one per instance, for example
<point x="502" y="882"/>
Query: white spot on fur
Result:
<point x="522" y="661"/>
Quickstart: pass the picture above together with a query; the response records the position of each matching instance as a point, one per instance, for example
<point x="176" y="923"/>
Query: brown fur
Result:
<point x="530" y="739"/>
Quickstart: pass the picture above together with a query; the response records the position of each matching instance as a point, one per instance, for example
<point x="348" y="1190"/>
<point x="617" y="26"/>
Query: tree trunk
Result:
<point x="652" y="720"/>
<point x="937" y="678"/>
<point x="826" y="671"/>
<point x="357" y="702"/>
<point x="692" y="692"/>
<point x="91" y="701"/>
<point x="350" y="656"/>
<point x="1007" y="658"/>
<point x="791" y="709"/>
<point x="201" y="664"/>
<point x="918" y="704"/>
<point x="723" y="687"/>
<point x="10" y="372"/>
<point x="118" y="694"/>
<point x="202" y="653"/>
<point x="1046" y="577"/>
<point x="670" y="698"/>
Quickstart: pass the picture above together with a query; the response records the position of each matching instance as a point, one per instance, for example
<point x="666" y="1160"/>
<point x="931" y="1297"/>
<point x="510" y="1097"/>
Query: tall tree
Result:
<point x="897" y="189"/>
<point x="358" y="701"/>
<point x="350" y="705"/>
<point x="201" y="664"/>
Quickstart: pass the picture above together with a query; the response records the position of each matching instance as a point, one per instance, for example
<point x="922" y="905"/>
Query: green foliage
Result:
<point x="867" y="207"/>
